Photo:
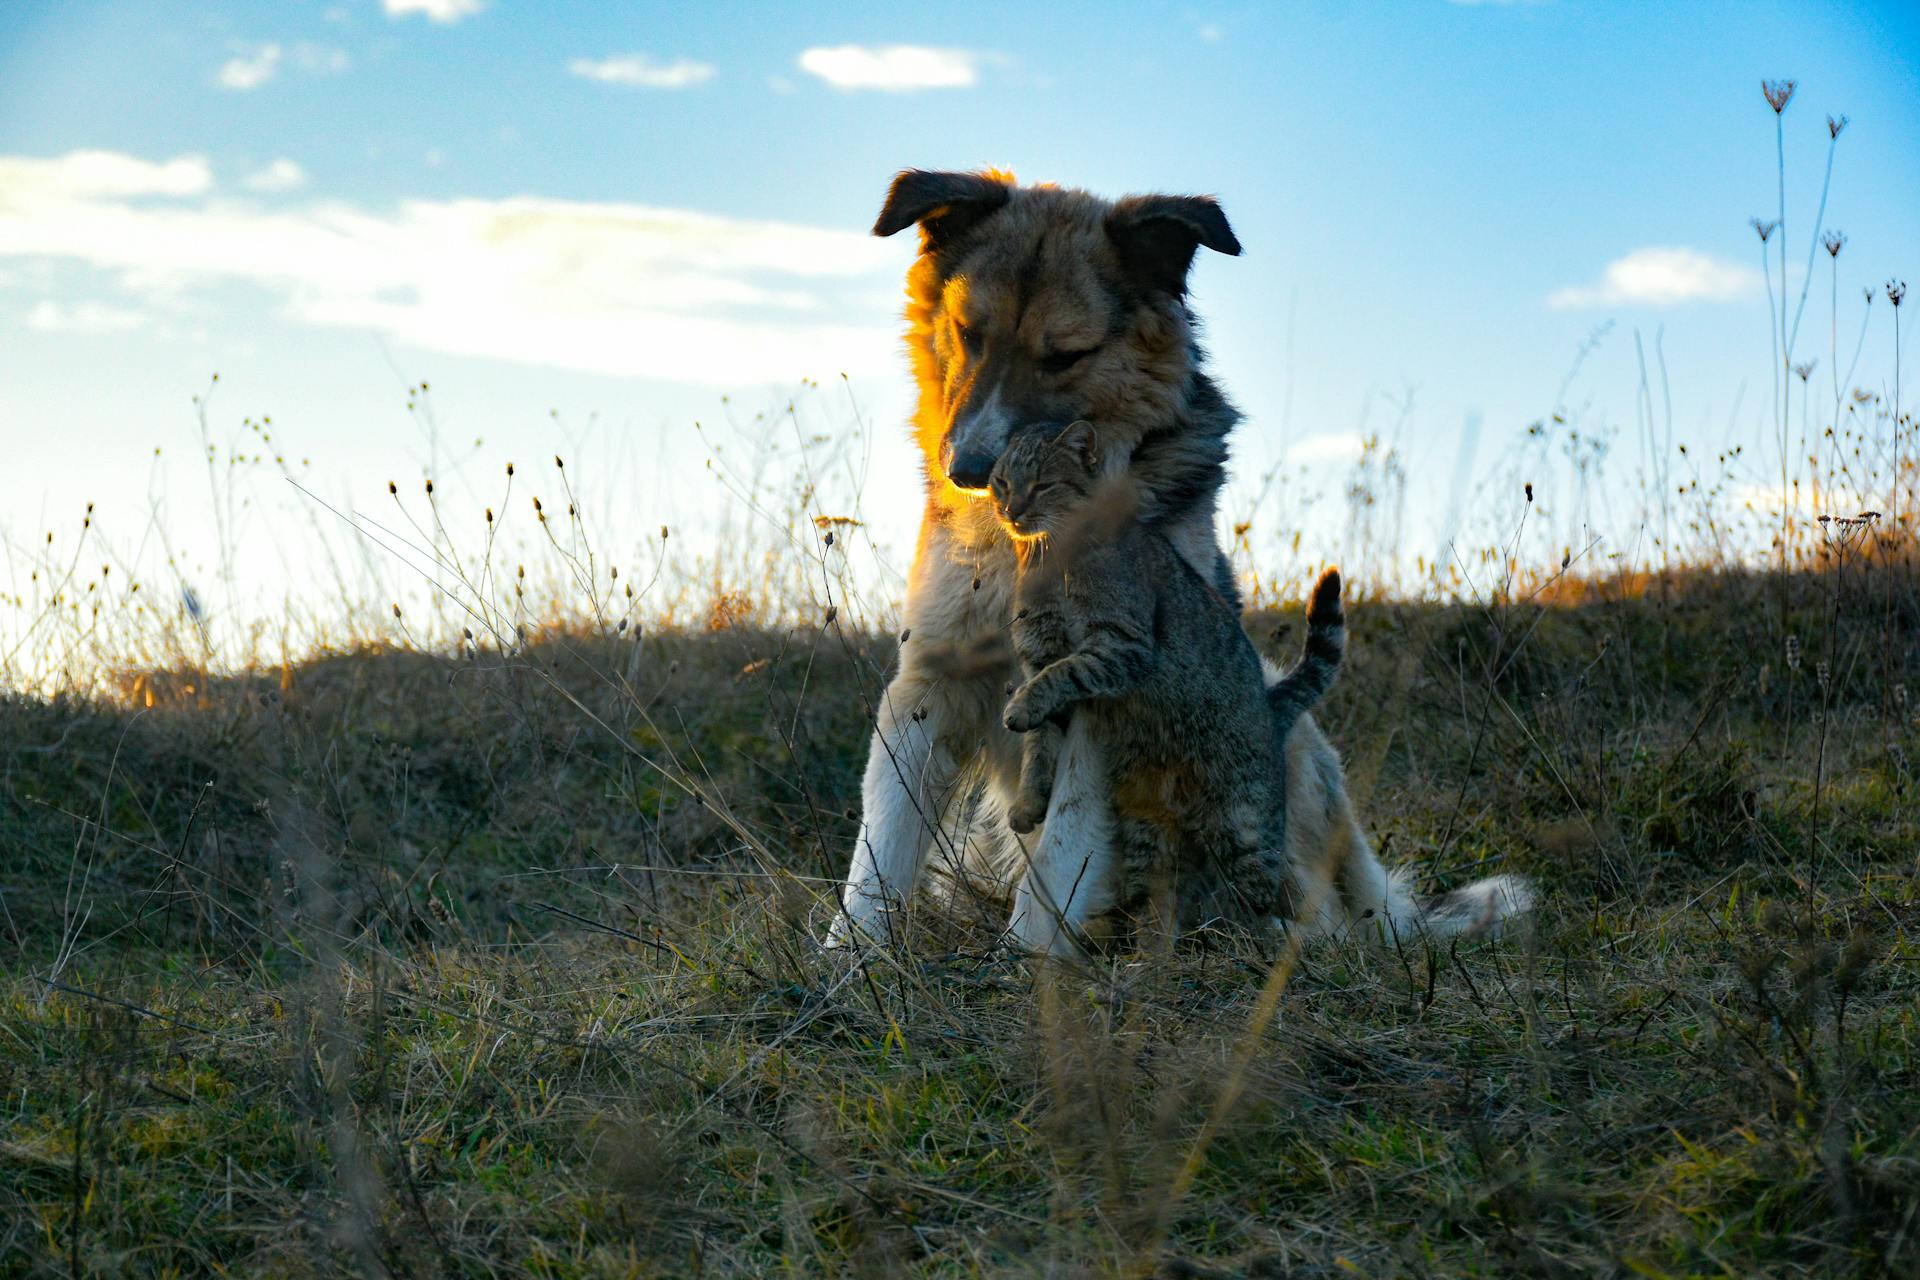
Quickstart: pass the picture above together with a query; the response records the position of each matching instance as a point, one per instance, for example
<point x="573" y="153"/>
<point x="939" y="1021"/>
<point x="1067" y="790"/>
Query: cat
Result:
<point x="1111" y="623"/>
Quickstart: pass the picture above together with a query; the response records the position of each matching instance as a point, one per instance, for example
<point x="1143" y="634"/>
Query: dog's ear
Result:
<point x="944" y="204"/>
<point x="1081" y="437"/>
<point x="1156" y="236"/>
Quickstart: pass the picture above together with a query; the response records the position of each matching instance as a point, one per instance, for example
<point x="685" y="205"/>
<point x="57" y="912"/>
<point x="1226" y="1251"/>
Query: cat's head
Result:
<point x="1044" y="478"/>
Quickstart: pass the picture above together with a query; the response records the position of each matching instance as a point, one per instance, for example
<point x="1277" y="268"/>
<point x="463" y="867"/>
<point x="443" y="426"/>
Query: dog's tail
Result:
<point x="1473" y="910"/>
<point x="1338" y="873"/>
<point x="1320" y="658"/>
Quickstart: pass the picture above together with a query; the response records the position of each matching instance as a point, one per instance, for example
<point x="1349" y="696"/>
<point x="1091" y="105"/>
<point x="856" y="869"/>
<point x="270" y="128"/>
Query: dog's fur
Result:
<point x="1028" y="306"/>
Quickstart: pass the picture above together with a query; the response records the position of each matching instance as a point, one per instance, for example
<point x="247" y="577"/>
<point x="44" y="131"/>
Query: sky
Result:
<point x="590" y="227"/>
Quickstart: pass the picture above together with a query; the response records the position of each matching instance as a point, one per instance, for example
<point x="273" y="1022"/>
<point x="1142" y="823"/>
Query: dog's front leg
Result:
<point x="911" y="767"/>
<point x="1069" y="874"/>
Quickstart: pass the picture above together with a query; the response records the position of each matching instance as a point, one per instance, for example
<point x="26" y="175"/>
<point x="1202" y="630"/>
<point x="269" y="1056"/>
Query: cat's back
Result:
<point x="1193" y="774"/>
<point x="1202" y="700"/>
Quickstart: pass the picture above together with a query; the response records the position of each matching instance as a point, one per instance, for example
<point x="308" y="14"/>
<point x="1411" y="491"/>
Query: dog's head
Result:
<point x="1033" y="305"/>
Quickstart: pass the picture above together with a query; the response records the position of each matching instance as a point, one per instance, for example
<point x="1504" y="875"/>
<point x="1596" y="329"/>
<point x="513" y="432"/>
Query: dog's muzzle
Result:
<point x="975" y="442"/>
<point x="970" y="470"/>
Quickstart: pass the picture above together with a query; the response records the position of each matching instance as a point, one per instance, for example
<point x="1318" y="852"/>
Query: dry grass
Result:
<point x="504" y="965"/>
<point x="467" y="927"/>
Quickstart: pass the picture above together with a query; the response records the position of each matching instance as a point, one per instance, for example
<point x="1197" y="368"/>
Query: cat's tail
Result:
<point x="1320" y="658"/>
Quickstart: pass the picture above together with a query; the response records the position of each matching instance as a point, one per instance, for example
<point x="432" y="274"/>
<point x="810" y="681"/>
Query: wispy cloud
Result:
<point x="1662" y="277"/>
<point x="627" y="290"/>
<point x="437" y="10"/>
<point x="893" y="68"/>
<point x="257" y="64"/>
<point x="1803" y="501"/>
<point x="83" y="317"/>
<point x="643" y="71"/>
<point x="320" y="59"/>
<point x="1328" y="447"/>
<point x="282" y="175"/>
<point x="252" y="69"/>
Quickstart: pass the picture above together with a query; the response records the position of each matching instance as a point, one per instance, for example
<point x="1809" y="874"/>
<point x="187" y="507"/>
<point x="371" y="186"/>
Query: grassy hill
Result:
<point x="502" y="964"/>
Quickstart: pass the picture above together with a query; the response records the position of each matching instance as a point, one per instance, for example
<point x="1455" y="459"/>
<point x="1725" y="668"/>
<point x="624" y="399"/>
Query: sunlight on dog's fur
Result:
<point x="1043" y="305"/>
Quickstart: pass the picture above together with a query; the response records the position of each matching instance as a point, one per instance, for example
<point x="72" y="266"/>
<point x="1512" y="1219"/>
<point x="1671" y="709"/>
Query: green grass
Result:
<point x="503" y="966"/>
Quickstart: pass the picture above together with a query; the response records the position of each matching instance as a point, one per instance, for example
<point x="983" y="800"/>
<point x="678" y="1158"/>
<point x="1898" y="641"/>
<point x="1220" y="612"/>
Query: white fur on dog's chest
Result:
<point x="966" y="591"/>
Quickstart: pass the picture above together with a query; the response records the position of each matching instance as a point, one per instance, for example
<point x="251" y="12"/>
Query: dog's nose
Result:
<point x="970" y="470"/>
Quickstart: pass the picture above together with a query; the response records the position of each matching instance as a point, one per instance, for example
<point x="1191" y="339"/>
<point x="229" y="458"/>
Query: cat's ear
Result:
<point x="1084" y="441"/>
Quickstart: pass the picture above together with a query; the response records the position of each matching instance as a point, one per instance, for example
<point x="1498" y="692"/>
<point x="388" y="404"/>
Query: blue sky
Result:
<point x="625" y="212"/>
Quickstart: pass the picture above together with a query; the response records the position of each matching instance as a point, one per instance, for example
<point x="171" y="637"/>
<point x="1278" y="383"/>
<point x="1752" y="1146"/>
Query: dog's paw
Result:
<point x="865" y="922"/>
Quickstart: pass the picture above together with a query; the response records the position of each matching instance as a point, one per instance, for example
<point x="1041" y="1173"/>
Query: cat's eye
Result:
<point x="1061" y="361"/>
<point x="970" y="337"/>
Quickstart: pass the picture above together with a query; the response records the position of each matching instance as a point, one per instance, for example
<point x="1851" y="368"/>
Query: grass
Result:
<point x="503" y="965"/>
<point x="340" y="942"/>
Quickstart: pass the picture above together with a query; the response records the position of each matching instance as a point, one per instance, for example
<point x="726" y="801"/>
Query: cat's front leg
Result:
<point x="1106" y="667"/>
<point x="1039" y="755"/>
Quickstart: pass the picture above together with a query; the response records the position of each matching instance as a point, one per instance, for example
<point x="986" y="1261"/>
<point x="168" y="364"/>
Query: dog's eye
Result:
<point x="1061" y="361"/>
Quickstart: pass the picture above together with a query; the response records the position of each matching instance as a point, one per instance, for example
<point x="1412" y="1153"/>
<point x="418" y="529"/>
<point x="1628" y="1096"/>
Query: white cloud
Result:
<point x="83" y="174"/>
<point x="83" y="317"/>
<point x="894" y="68"/>
<point x="251" y="70"/>
<point x="1662" y="277"/>
<point x="282" y="175"/>
<point x="437" y="10"/>
<point x="1333" y="446"/>
<point x="643" y="71"/>
<point x="620" y="289"/>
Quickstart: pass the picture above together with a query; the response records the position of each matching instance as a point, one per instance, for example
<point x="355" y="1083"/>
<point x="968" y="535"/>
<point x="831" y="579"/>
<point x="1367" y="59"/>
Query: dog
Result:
<point x="1030" y="305"/>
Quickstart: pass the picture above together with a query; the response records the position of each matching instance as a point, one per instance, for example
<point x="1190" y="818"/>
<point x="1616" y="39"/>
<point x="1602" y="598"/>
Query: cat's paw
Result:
<point x="1026" y="813"/>
<point x="1022" y="714"/>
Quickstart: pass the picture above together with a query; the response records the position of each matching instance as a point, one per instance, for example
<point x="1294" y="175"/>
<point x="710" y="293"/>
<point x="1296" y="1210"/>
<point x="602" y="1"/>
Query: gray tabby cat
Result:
<point x="1111" y="621"/>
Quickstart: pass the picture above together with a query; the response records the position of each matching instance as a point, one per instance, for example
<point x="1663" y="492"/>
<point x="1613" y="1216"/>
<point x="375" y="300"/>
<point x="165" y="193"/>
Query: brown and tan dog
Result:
<point x="1042" y="305"/>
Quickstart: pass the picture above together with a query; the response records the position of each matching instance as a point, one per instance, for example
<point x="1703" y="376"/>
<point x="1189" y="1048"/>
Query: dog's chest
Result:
<point x="965" y="591"/>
